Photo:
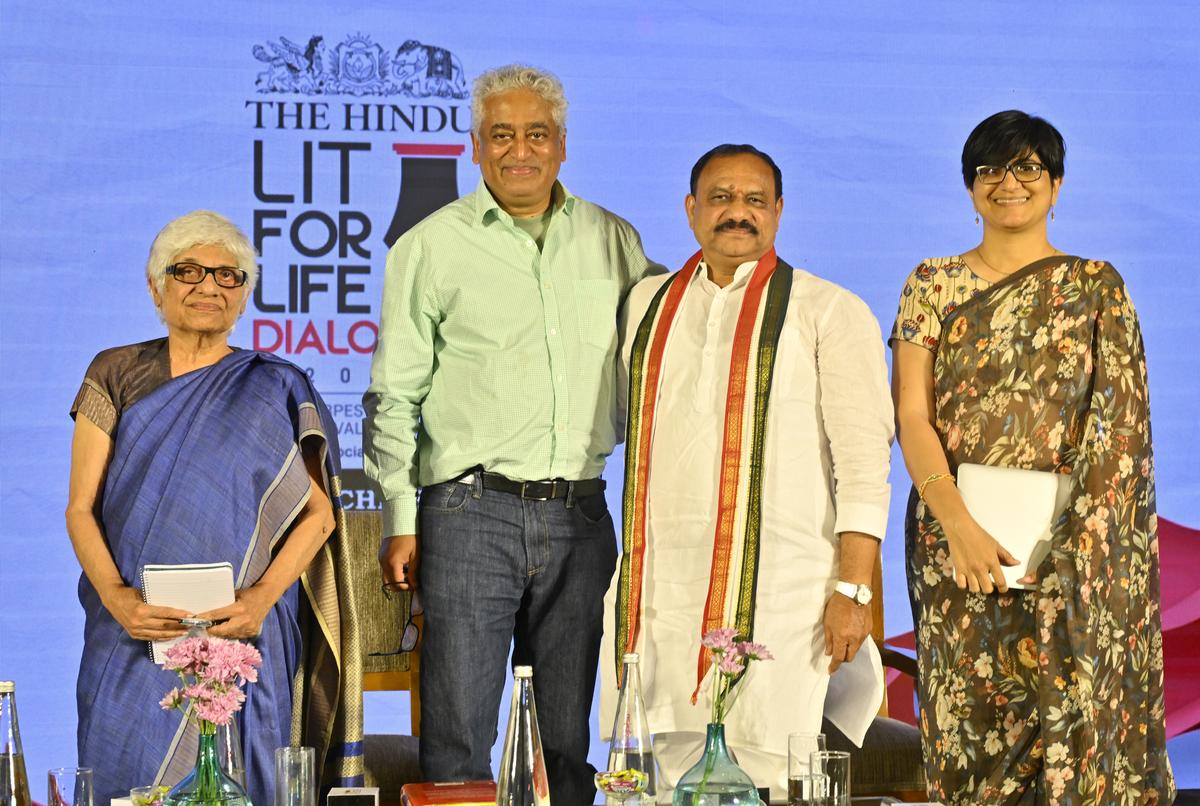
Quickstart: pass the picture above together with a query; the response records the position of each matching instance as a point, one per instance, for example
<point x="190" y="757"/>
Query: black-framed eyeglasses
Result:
<point x="409" y="633"/>
<point x="194" y="274"/>
<point x="1023" y="172"/>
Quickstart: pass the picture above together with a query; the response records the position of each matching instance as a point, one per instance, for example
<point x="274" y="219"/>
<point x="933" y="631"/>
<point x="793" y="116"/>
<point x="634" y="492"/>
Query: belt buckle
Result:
<point x="530" y="497"/>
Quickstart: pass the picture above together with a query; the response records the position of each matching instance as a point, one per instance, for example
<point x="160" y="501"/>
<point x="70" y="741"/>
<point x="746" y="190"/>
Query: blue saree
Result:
<point x="209" y="467"/>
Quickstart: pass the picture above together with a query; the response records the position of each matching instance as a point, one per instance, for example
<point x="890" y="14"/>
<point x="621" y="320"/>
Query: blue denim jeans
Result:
<point x="498" y="570"/>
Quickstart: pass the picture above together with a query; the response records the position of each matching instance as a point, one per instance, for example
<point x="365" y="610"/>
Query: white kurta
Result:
<point x="829" y="429"/>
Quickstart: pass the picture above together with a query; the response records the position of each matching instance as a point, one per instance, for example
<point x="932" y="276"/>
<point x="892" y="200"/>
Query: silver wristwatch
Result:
<point x="861" y="594"/>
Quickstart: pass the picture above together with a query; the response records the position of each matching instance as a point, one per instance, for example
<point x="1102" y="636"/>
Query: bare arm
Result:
<point x="847" y="623"/>
<point x="91" y="451"/>
<point x="977" y="557"/>
<point x="312" y="528"/>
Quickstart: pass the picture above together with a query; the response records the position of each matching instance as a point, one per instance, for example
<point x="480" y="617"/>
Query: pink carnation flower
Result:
<point x="197" y="691"/>
<point x="189" y="656"/>
<point x="730" y="658"/>
<point x="720" y="639"/>
<point x="211" y="671"/>
<point x="248" y="661"/>
<point x="753" y="651"/>
<point x="220" y="708"/>
<point x="731" y="664"/>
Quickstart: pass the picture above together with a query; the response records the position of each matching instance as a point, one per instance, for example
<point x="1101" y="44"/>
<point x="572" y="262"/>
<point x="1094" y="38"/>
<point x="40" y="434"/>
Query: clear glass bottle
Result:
<point x="14" y="783"/>
<point x="631" y="748"/>
<point x="522" y="780"/>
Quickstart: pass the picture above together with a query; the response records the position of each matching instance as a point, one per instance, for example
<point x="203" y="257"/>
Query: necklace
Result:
<point x="983" y="260"/>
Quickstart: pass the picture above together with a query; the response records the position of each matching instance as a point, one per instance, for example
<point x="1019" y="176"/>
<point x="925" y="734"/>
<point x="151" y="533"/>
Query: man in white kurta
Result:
<point x="824" y="489"/>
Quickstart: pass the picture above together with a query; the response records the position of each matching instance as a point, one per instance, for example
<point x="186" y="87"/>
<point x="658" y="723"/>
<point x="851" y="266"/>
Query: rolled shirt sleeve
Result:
<point x="856" y="408"/>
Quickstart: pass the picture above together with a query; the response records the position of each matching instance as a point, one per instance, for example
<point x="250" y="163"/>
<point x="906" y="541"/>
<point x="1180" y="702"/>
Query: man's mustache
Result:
<point x="726" y="226"/>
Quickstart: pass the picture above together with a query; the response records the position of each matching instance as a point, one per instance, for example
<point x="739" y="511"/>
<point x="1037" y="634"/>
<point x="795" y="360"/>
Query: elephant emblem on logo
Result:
<point x="359" y="66"/>
<point x="425" y="71"/>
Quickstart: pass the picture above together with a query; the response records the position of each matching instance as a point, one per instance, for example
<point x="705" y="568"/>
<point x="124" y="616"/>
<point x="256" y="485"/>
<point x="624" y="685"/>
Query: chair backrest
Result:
<point x="381" y="619"/>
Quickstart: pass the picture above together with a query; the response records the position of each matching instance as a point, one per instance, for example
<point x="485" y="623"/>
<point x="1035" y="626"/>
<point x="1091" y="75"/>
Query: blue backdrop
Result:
<point x="300" y="121"/>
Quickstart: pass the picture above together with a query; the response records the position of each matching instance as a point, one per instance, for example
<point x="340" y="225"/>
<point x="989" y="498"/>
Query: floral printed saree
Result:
<point x="1053" y="695"/>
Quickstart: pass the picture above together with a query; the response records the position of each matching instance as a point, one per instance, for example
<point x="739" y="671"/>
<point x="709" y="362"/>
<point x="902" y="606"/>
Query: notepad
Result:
<point x="1018" y="508"/>
<point x="196" y="588"/>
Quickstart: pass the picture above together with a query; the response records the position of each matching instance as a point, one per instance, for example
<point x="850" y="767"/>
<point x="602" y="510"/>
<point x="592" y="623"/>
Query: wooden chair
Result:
<point x="391" y="760"/>
<point x="889" y="762"/>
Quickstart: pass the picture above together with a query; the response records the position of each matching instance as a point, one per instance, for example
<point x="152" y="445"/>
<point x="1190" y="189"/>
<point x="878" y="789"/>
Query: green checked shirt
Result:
<point x="494" y="353"/>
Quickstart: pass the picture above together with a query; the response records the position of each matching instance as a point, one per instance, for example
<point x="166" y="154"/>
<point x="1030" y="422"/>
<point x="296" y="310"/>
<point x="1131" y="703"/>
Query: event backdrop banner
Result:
<point x="352" y="143"/>
<point x="326" y="130"/>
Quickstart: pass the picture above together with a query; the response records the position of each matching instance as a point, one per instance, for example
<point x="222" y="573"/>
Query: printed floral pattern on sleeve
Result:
<point x="930" y="294"/>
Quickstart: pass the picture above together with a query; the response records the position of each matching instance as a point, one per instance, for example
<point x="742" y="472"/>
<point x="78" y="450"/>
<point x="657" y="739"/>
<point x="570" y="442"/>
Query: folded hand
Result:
<point x="142" y="621"/>
<point x="243" y="618"/>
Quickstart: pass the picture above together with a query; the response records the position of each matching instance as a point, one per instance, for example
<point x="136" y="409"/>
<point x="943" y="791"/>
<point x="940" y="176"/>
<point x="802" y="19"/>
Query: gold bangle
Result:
<point x="930" y="479"/>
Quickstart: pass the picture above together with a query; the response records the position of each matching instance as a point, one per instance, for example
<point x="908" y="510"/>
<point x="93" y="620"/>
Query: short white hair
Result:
<point x="518" y="77"/>
<point x="200" y="228"/>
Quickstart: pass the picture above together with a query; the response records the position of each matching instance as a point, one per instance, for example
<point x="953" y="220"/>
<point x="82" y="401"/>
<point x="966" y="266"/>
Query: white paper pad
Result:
<point x="196" y="588"/>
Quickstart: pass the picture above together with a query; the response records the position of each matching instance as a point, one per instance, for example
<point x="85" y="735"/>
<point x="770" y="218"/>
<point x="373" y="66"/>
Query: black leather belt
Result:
<point x="540" y="490"/>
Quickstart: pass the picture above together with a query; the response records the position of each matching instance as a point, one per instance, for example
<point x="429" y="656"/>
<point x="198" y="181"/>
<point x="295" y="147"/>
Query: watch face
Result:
<point x="863" y="596"/>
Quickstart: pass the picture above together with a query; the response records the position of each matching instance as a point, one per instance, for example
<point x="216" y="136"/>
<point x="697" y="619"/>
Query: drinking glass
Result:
<point x="801" y="746"/>
<point x="834" y="765"/>
<point x="69" y="786"/>
<point x="807" y="789"/>
<point x="295" y="776"/>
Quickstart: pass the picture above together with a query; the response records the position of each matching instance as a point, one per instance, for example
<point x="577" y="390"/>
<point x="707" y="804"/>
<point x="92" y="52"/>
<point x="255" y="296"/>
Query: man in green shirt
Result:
<point x="492" y="391"/>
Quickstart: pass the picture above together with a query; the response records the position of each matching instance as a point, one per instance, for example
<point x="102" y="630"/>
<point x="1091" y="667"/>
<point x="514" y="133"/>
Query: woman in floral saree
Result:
<point x="1017" y="355"/>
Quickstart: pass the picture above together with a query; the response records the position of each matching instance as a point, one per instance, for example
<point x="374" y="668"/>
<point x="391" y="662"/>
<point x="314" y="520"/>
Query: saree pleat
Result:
<point x="1053" y="695"/>
<point x="208" y="468"/>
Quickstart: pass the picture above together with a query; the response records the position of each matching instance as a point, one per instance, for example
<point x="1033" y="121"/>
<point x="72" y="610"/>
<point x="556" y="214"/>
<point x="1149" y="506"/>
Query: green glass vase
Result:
<point x="715" y="780"/>
<point x="207" y="784"/>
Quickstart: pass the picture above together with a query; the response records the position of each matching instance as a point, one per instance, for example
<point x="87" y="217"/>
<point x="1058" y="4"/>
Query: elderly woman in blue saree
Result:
<point x="1016" y="355"/>
<point x="188" y="450"/>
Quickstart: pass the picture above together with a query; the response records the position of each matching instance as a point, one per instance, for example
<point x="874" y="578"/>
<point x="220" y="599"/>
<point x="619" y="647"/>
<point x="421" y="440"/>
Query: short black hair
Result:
<point x="730" y="150"/>
<point x="1009" y="135"/>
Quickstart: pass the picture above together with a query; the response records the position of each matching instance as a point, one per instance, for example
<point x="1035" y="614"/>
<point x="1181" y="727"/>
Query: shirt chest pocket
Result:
<point x="596" y="312"/>
<point x="795" y="375"/>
